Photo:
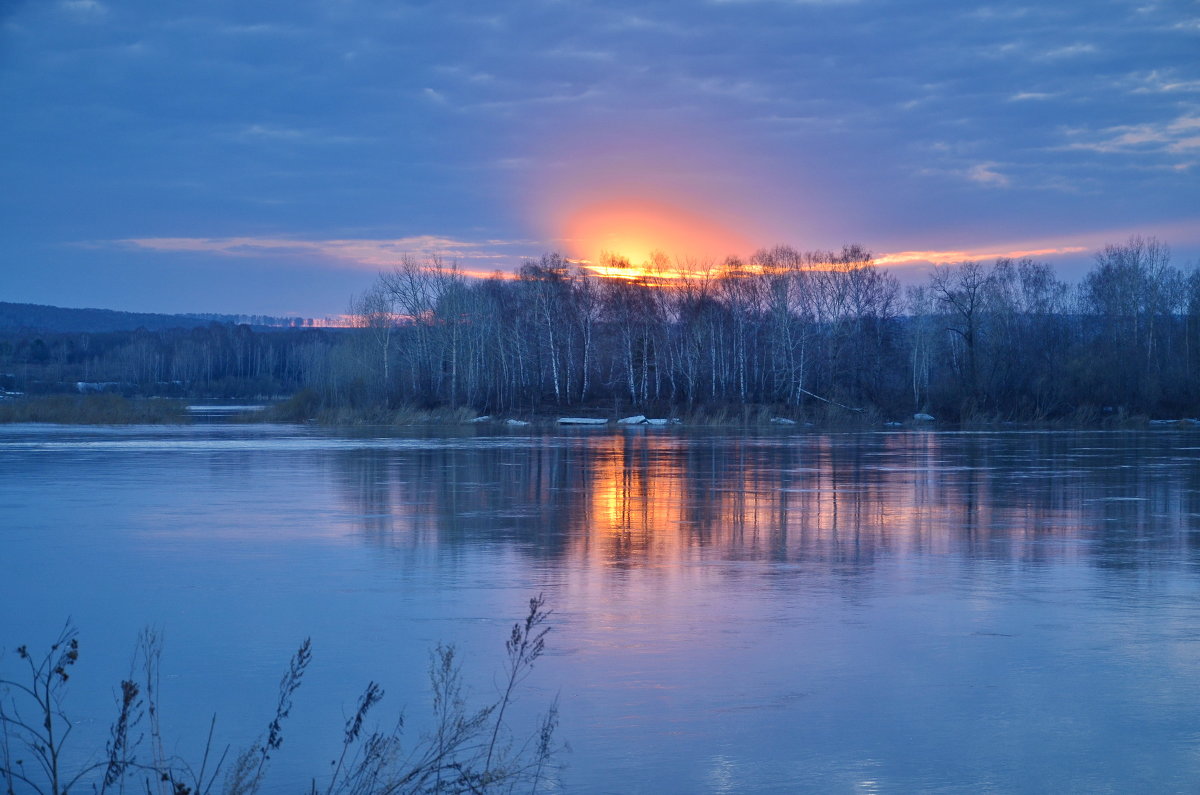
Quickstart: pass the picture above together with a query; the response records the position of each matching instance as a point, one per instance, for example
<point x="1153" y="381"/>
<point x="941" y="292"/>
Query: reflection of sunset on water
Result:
<point x="663" y="501"/>
<point x="637" y="503"/>
<point x="653" y="507"/>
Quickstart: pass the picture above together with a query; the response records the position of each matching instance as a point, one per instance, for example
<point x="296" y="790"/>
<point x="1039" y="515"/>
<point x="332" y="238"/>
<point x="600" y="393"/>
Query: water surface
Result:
<point x="775" y="612"/>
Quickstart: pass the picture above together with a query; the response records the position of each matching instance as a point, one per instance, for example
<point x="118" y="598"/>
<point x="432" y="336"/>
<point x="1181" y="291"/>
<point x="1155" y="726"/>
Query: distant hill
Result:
<point x="35" y="317"/>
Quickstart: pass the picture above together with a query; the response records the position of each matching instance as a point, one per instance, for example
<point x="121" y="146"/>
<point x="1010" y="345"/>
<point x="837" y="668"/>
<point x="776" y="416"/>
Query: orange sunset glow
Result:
<point x="635" y="230"/>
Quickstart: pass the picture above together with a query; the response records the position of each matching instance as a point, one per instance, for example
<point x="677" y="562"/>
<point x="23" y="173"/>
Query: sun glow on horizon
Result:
<point x="631" y="239"/>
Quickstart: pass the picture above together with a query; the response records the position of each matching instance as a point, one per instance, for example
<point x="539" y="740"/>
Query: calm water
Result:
<point x="878" y="612"/>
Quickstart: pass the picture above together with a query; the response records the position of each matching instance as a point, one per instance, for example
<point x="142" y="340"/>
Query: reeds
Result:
<point x="104" y="409"/>
<point x="467" y="749"/>
<point x="306" y="406"/>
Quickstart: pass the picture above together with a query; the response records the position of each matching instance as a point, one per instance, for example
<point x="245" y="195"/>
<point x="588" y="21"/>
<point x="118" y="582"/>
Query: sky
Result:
<point x="273" y="157"/>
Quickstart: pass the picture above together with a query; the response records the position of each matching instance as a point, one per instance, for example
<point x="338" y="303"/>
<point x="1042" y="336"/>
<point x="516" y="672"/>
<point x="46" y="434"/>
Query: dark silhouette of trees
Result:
<point x="810" y="333"/>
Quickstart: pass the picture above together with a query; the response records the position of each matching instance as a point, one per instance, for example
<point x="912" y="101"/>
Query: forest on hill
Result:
<point x="33" y="318"/>
<point x="805" y="334"/>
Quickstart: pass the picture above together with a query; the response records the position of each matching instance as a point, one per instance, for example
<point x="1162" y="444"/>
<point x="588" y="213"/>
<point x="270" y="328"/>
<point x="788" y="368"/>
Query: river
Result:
<point x="753" y="612"/>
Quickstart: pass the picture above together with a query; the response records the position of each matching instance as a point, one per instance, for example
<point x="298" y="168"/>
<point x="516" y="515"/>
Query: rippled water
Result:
<point x="876" y="612"/>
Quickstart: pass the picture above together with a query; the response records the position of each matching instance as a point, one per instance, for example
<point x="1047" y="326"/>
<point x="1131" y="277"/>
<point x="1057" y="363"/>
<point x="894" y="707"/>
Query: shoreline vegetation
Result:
<point x="467" y="749"/>
<point x="92" y="410"/>
<point x="828" y="338"/>
<point x="305" y="409"/>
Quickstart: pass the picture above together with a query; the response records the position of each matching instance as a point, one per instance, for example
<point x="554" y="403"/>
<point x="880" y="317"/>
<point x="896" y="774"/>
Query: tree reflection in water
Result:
<point x="652" y="499"/>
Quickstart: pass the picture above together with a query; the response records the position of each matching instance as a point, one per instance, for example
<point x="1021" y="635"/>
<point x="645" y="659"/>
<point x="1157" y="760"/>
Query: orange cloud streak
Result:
<point x="946" y="257"/>
<point x="361" y="253"/>
<point x="634" y="231"/>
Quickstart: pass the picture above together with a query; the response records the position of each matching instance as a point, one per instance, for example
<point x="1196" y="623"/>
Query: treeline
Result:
<point x="810" y="333"/>
<point x="33" y="318"/>
<point x="217" y="360"/>
<point x="803" y="333"/>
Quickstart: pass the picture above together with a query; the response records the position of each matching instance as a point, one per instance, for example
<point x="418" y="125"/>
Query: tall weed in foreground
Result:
<point x="41" y="730"/>
<point x="467" y="749"/>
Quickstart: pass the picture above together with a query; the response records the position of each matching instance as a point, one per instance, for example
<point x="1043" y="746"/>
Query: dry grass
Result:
<point x="467" y="749"/>
<point x="306" y="406"/>
<point x="93" y="410"/>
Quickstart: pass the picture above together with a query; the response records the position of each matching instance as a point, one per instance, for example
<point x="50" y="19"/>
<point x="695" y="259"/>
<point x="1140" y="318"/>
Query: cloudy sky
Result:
<point x="271" y="157"/>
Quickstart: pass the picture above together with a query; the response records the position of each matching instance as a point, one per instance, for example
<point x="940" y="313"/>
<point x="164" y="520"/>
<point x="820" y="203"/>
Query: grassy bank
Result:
<point x="307" y="407"/>
<point x="92" y="410"/>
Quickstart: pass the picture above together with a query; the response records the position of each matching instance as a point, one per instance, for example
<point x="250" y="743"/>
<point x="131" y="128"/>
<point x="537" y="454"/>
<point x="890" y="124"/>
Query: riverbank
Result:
<point x="305" y="408"/>
<point x="93" y="410"/>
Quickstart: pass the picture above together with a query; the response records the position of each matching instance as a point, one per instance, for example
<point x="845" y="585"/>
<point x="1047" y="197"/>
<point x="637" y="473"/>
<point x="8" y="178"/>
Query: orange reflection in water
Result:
<point x="637" y="502"/>
<point x="656" y="503"/>
<point x="663" y="501"/>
